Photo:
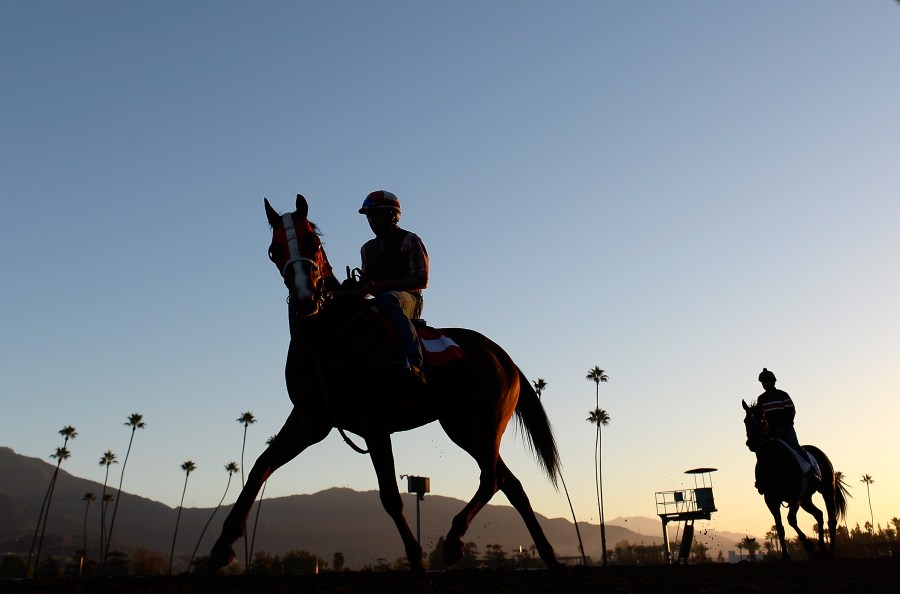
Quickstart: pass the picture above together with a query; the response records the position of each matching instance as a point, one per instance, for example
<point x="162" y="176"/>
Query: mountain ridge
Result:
<point x="330" y="521"/>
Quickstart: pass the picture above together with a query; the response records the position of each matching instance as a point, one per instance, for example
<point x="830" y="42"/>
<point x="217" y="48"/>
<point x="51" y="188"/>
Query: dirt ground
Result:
<point x="847" y="575"/>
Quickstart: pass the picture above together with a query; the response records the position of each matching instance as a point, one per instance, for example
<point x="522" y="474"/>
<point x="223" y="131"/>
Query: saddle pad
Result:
<point x="437" y="347"/>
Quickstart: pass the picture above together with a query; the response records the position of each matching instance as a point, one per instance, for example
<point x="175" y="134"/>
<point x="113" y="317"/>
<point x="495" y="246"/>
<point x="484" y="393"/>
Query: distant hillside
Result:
<point x="335" y="520"/>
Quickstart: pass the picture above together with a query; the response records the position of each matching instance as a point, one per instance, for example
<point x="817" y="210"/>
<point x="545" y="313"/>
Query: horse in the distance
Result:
<point x="779" y="479"/>
<point x="338" y="376"/>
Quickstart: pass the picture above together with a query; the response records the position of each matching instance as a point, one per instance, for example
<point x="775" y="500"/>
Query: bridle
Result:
<point x="757" y="437"/>
<point x="319" y="294"/>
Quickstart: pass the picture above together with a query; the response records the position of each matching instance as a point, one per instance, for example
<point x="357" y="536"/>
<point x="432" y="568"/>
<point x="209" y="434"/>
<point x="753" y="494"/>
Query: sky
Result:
<point x="680" y="193"/>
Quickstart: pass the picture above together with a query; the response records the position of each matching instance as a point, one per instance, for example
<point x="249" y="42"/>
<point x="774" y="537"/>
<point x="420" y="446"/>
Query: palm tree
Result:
<point x="68" y="432"/>
<point x="868" y="480"/>
<point x="599" y="417"/>
<point x="230" y="468"/>
<point x="597" y="375"/>
<point x="256" y="519"/>
<point x="88" y="498"/>
<point x="135" y="421"/>
<point x="246" y="419"/>
<point x="107" y="459"/>
<point x="60" y="455"/>
<point x="188" y="467"/>
<point x="539" y="386"/>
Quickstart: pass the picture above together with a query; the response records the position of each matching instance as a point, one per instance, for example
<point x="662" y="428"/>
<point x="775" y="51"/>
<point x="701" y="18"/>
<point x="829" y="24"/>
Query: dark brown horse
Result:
<point x="779" y="479"/>
<point x="337" y="376"/>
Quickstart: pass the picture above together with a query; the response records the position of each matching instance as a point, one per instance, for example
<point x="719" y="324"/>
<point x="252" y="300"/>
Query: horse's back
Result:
<point x="482" y="358"/>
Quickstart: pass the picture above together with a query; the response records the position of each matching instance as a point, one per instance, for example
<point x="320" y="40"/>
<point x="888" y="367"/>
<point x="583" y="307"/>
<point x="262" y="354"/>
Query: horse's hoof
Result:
<point x="453" y="551"/>
<point x="220" y="557"/>
<point x="555" y="566"/>
<point x="417" y="568"/>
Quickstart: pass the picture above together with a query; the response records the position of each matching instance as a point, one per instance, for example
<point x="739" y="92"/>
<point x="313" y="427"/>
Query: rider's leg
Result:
<point x="398" y="307"/>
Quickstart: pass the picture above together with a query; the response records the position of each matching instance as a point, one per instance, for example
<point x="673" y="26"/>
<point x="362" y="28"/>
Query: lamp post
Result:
<point x="418" y="485"/>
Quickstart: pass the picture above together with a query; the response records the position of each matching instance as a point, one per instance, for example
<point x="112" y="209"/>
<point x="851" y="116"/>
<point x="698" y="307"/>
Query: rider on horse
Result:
<point x="778" y="413"/>
<point x="394" y="272"/>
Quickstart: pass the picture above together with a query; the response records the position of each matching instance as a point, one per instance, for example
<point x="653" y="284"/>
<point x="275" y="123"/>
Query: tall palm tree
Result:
<point x="68" y="432"/>
<point x="107" y="459"/>
<point x="597" y="375"/>
<point x="868" y="480"/>
<point x="256" y="519"/>
<point x="539" y="386"/>
<point x="188" y="467"/>
<point x="599" y="417"/>
<point x="246" y="419"/>
<point x="88" y="498"/>
<point x="135" y="421"/>
<point x="60" y="455"/>
<point x="230" y="468"/>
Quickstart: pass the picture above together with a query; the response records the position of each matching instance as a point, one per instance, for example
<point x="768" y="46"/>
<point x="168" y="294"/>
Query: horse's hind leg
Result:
<point x="299" y="432"/>
<point x="828" y="494"/>
<point x="810" y="508"/>
<point x="383" y="460"/>
<point x="487" y="486"/>
<point x="513" y="490"/>
<point x="792" y="521"/>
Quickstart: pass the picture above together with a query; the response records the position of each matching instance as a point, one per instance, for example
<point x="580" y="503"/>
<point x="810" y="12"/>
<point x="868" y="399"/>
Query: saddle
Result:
<point x="807" y="463"/>
<point x="437" y="347"/>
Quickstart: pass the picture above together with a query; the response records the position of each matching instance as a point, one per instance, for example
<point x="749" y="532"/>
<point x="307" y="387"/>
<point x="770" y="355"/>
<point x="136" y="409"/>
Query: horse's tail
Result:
<point x="840" y="495"/>
<point x="532" y="418"/>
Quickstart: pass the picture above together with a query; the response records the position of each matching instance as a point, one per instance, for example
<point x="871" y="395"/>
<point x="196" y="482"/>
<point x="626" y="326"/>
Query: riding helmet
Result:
<point x="765" y="375"/>
<point x="380" y="200"/>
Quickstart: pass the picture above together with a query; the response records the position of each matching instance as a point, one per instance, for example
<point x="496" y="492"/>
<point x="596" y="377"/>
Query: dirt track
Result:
<point x="848" y="575"/>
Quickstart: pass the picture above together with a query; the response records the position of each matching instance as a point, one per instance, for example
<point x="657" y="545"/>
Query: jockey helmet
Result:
<point x="766" y="375"/>
<point x="380" y="200"/>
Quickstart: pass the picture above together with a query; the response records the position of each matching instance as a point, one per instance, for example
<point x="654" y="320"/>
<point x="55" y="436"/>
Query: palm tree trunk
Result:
<point x="572" y="509"/>
<point x="177" y="520"/>
<point x="49" y="498"/>
<point x="87" y="508"/>
<point x="103" y="518"/>
<point x="868" y="494"/>
<point x="37" y="527"/>
<point x="600" y="481"/>
<point x="112" y="521"/>
<point x="255" y="525"/>
<point x="208" y="522"/>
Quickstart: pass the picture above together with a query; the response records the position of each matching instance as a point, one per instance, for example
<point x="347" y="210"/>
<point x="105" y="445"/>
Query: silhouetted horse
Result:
<point x="779" y="479"/>
<point x="337" y="376"/>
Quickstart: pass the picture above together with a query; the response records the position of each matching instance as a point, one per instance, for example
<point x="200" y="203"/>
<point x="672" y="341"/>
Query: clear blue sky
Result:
<point x="678" y="192"/>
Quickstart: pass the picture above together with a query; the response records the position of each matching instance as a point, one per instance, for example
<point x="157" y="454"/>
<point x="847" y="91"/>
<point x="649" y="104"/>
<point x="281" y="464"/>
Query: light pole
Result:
<point x="418" y="485"/>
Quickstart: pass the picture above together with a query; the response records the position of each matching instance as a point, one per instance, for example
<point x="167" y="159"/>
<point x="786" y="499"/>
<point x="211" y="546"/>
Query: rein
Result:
<point x="321" y="375"/>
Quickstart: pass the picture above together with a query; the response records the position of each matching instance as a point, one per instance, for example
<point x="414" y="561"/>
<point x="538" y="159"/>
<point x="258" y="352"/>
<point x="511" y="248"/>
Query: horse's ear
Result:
<point x="744" y="404"/>
<point x="271" y="214"/>
<point x="302" y="206"/>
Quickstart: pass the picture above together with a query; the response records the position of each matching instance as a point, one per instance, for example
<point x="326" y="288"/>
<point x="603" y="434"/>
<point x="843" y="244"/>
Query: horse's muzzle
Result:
<point x="305" y="308"/>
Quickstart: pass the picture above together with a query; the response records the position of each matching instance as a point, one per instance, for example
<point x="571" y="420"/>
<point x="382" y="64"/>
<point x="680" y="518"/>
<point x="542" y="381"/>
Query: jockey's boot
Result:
<point x="415" y="373"/>
<point x="409" y="372"/>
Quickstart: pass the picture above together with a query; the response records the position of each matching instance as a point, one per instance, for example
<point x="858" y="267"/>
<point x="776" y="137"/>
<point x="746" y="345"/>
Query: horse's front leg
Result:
<point x="775" y="507"/>
<point x="383" y="460"/>
<point x="299" y="432"/>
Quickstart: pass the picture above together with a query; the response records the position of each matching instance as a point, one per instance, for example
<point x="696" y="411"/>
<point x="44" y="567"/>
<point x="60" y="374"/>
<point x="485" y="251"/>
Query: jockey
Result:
<point x="778" y="413"/>
<point x="394" y="272"/>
